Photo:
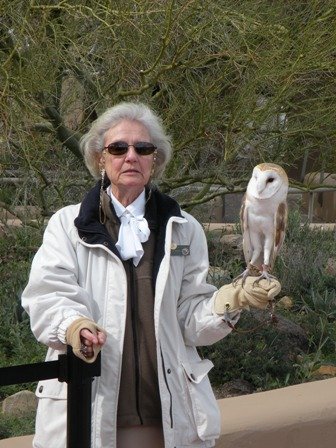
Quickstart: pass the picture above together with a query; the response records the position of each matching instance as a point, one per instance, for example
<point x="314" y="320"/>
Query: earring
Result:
<point x="102" y="217"/>
<point x="153" y="164"/>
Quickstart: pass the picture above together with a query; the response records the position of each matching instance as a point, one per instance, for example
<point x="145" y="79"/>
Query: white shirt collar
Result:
<point x="136" y="208"/>
<point x="133" y="227"/>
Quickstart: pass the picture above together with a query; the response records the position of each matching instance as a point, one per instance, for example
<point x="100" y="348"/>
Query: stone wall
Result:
<point x="324" y="202"/>
<point x="301" y="416"/>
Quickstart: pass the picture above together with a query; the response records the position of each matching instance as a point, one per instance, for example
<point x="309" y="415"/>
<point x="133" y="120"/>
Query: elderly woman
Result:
<point x="126" y="271"/>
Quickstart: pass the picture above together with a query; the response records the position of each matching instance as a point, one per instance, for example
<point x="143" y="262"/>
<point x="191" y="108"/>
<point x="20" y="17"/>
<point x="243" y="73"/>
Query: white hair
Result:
<point x="92" y="142"/>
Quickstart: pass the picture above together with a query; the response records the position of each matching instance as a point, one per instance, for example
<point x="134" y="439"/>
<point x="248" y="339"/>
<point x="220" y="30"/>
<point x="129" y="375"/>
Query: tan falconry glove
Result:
<point x="232" y="298"/>
<point x="73" y="337"/>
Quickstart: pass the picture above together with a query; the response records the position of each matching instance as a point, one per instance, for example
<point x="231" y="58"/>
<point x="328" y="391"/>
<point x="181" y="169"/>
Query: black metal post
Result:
<point x="78" y="375"/>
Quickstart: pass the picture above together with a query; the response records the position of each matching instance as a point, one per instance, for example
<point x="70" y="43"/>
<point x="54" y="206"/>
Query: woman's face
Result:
<point x="130" y="172"/>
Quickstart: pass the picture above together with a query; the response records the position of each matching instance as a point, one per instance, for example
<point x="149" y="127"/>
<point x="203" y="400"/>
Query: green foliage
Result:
<point x="11" y="426"/>
<point x="319" y="353"/>
<point x="236" y="83"/>
<point x="17" y="344"/>
<point x="266" y="357"/>
<point x="229" y="259"/>
<point x="302" y="268"/>
<point x="302" y="263"/>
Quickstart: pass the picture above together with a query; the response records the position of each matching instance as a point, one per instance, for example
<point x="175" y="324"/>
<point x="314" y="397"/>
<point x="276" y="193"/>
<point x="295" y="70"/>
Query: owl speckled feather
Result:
<point x="263" y="219"/>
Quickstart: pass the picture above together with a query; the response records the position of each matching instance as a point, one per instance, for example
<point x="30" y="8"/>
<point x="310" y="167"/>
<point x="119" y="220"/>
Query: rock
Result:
<point x="22" y="402"/>
<point x="220" y="228"/>
<point x="285" y="326"/>
<point x="233" y="388"/>
<point x="331" y="266"/>
<point x="325" y="370"/>
<point x="218" y="276"/>
<point x="324" y="203"/>
<point x="234" y="241"/>
<point x="286" y="302"/>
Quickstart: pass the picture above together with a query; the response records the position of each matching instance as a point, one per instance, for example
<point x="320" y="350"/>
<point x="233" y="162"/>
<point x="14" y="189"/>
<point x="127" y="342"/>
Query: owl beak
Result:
<point x="260" y="188"/>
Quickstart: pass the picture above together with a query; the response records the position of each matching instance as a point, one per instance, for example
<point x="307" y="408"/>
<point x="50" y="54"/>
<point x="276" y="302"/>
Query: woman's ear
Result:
<point x="101" y="160"/>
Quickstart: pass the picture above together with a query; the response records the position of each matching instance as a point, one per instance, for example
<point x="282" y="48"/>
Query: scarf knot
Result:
<point x="134" y="228"/>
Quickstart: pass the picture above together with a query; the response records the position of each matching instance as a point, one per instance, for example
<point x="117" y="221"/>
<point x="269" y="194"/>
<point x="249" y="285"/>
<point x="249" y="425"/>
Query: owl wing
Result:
<point x="280" y="224"/>
<point x="247" y="246"/>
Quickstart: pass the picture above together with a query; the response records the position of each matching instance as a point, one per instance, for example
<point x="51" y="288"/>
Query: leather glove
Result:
<point x="73" y="338"/>
<point x="232" y="298"/>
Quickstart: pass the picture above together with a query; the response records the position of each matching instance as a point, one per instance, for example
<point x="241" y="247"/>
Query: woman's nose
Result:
<point x="131" y="153"/>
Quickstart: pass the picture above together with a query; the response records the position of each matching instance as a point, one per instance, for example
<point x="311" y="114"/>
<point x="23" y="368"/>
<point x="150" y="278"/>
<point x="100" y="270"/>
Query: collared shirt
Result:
<point x="134" y="228"/>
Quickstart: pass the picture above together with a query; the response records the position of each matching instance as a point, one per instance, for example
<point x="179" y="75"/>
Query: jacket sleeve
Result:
<point x="53" y="298"/>
<point x="199" y="323"/>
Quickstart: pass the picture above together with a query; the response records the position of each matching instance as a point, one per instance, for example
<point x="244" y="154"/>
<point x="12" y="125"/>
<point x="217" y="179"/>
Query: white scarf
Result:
<point x="133" y="229"/>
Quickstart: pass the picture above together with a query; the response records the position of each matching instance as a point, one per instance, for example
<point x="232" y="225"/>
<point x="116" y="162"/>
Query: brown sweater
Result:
<point x="139" y="398"/>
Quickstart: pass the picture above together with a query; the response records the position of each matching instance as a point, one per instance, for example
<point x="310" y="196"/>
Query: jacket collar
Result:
<point x="159" y="209"/>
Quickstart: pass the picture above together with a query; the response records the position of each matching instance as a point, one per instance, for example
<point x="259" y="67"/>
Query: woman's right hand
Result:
<point x="89" y="339"/>
<point x="86" y="338"/>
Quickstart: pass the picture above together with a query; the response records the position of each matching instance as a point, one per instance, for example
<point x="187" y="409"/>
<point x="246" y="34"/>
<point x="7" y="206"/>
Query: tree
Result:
<point x="236" y="82"/>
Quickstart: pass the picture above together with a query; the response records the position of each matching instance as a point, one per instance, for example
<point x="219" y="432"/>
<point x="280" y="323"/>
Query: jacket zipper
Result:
<point x="168" y="388"/>
<point x="134" y="311"/>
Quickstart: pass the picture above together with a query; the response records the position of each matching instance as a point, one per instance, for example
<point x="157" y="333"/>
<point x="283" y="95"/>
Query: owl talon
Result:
<point x="264" y="275"/>
<point x="242" y="276"/>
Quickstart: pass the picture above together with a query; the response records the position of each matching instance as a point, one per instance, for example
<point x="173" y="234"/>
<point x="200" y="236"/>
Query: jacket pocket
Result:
<point x="51" y="389"/>
<point x="204" y="405"/>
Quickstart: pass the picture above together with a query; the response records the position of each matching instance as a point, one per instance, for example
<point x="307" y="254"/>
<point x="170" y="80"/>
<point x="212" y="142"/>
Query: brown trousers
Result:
<point x="140" y="437"/>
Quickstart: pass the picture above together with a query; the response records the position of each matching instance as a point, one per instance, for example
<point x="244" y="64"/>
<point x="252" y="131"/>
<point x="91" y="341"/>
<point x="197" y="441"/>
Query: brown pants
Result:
<point x="140" y="437"/>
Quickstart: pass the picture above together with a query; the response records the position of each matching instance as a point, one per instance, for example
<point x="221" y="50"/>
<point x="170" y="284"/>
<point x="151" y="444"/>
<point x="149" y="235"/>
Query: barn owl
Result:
<point x="263" y="218"/>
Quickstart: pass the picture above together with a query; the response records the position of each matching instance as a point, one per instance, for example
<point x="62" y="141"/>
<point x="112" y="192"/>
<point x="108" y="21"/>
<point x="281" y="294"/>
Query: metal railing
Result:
<point x="78" y="375"/>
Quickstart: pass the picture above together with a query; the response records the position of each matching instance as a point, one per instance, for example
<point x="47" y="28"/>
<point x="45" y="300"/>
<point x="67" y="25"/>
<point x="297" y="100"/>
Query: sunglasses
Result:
<point x="121" y="148"/>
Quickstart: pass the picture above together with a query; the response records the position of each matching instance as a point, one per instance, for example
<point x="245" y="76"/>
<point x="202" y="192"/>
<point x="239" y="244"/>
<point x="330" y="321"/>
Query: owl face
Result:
<point x="267" y="181"/>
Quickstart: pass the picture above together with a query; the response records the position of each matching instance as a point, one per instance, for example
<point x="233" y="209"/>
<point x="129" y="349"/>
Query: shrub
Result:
<point x="266" y="357"/>
<point x="11" y="426"/>
<point x="17" y="344"/>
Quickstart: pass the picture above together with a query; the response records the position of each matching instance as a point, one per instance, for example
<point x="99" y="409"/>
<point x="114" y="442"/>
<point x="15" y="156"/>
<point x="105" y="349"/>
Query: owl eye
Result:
<point x="270" y="179"/>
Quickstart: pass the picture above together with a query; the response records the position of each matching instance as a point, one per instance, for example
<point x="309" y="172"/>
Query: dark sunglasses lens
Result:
<point x="117" y="148"/>
<point x="144" y="148"/>
<point x="120" y="148"/>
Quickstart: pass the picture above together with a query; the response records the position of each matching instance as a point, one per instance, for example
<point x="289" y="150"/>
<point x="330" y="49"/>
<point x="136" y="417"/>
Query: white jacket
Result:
<point x="70" y="277"/>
